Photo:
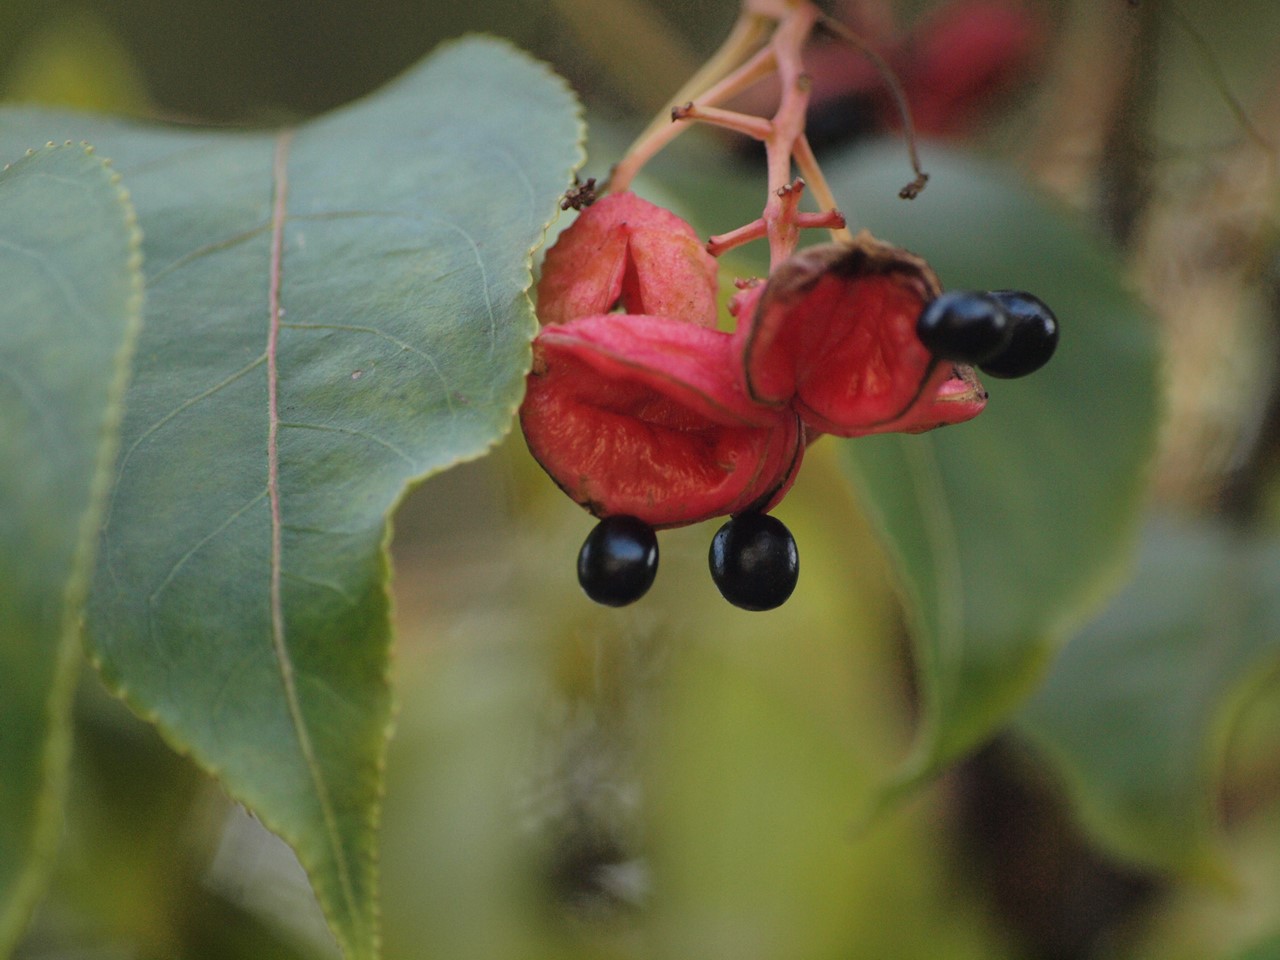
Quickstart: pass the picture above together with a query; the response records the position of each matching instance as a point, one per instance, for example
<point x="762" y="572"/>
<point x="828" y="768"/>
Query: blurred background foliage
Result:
<point x="681" y="779"/>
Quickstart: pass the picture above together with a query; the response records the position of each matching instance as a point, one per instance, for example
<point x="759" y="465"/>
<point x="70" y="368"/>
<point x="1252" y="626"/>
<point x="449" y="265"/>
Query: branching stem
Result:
<point x="768" y="38"/>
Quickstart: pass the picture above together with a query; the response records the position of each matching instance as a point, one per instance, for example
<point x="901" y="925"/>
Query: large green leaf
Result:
<point x="1005" y="529"/>
<point x="72" y="281"/>
<point x="334" y="311"/>
<point x="1268" y="949"/>
<point x="1134" y="707"/>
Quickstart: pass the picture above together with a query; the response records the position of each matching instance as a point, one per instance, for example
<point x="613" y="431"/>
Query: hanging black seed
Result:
<point x="964" y="326"/>
<point x="1034" y="337"/>
<point x="754" y="561"/>
<point x="618" y="561"/>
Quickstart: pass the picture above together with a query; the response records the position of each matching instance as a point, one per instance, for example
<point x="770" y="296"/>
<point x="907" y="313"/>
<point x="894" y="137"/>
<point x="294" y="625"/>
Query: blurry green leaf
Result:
<point x="1134" y="707"/>
<point x="766" y="734"/>
<point x="461" y="862"/>
<point x="1208" y="61"/>
<point x="1268" y="949"/>
<point x="76" y="60"/>
<point x="1006" y="529"/>
<point x="333" y="312"/>
<point x="132" y="859"/>
<point x="72" y="282"/>
<point x="685" y="769"/>
<point x="770" y="730"/>
<point x="1195" y="921"/>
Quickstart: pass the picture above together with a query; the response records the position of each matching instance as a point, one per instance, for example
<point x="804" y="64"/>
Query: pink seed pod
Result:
<point x="833" y="334"/>
<point x="624" y="251"/>
<point x="643" y="416"/>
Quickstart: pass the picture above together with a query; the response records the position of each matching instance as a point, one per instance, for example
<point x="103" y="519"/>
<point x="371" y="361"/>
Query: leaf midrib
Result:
<point x="279" y="214"/>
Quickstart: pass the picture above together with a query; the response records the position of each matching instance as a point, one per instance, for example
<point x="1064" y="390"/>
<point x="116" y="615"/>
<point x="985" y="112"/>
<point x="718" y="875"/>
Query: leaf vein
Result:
<point x="531" y="208"/>
<point x="428" y="218"/>
<point x="153" y="636"/>
<point x="176" y="411"/>
<point x="199" y="545"/>
<point x="324" y="585"/>
<point x="207" y="249"/>
<point x="348" y="431"/>
<point x="484" y="287"/>
<point x="375" y="332"/>
<point x="52" y="430"/>
<point x="64" y="286"/>
<point x="280" y="647"/>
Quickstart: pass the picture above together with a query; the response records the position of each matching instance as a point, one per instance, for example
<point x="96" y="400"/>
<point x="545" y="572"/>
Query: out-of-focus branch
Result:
<point x="638" y="48"/>
<point x="1125" y="170"/>
<point x="1201" y="257"/>
<point x="1082" y="99"/>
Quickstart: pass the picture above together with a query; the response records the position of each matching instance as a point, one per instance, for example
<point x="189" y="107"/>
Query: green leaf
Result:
<point x="334" y="312"/>
<point x="1005" y="530"/>
<point x="1268" y="949"/>
<point x="1135" y="708"/>
<point x="70" y="270"/>
<point x="766" y="728"/>
<point x="75" y="59"/>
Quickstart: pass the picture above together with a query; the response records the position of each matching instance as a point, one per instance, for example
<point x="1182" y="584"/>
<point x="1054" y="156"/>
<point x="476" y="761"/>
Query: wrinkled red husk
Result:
<point x="833" y="334"/>
<point x="642" y="415"/>
<point x="952" y="394"/>
<point x="624" y="251"/>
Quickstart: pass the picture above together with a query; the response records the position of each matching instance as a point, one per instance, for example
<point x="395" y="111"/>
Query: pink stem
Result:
<point x="723" y="76"/>
<point x="809" y="169"/>
<point x="788" y="126"/>
<point x="736" y="238"/>
<point x="757" y="128"/>
<point x="734" y="68"/>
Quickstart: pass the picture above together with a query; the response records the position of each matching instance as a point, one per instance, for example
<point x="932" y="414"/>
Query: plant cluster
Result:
<point x="229" y="358"/>
<point x="649" y="415"/>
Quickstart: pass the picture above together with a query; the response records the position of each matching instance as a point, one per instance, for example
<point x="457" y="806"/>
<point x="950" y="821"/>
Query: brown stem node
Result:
<point x="579" y="195"/>
<point x="913" y="189"/>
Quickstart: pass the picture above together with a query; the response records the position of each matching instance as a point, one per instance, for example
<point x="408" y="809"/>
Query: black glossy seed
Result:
<point x="754" y="561"/>
<point x="1035" y="335"/>
<point x="618" y="561"/>
<point x="964" y="326"/>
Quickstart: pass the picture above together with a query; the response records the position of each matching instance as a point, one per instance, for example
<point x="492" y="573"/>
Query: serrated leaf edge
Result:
<point x="57" y="754"/>
<point x="374" y="821"/>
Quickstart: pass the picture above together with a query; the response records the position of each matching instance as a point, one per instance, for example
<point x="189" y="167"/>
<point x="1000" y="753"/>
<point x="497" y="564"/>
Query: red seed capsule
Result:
<point x="626" y="252"/>
<point x="644" y="416"/>
<point x="833" y="333"/>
